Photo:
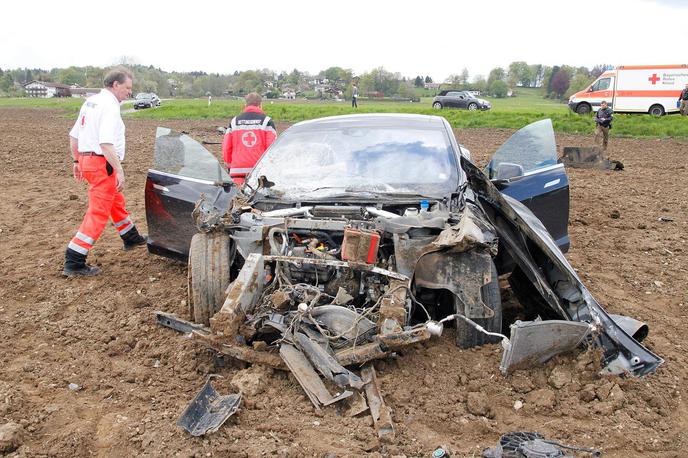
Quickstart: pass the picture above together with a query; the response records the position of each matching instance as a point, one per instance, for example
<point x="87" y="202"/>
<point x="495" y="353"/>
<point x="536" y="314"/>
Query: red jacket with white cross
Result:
<point x="245" y="141"/>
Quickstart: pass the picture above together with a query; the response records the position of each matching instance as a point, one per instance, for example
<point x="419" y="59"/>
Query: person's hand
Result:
<point x="76" y="171"/>
<point x="120" y="180"/>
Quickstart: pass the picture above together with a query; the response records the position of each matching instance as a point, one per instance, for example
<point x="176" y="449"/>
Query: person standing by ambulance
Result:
<point x="247" y="138"/>
<point x="97" y="145"/>
<point x="603" y="119"/>
<point x="683" y="101"/>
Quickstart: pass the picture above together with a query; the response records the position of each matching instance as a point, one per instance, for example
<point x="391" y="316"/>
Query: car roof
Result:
<point x="374" y="120"/>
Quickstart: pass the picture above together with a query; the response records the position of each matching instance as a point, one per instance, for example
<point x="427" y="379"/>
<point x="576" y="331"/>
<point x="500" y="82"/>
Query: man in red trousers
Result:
<point x="97" y="146"/>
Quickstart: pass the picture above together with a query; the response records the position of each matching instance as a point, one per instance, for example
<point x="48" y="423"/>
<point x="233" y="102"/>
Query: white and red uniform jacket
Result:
<point x="245" y="141"/>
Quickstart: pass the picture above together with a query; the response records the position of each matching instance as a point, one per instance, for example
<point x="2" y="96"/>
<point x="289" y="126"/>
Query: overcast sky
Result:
<point x="435" y="38"/>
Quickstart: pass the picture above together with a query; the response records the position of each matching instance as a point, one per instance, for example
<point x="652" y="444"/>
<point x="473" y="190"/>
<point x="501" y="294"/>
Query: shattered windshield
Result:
<point x="319" y="161"/>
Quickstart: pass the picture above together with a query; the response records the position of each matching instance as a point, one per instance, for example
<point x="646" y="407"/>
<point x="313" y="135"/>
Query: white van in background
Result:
<point x="652" y="89"/>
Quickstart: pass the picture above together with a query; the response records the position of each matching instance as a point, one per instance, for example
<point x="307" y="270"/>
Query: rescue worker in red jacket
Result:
<point x="97" y="145"/>
<point x="247" y="138"/>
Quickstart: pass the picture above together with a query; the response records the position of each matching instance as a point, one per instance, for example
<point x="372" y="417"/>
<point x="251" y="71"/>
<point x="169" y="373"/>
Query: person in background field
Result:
<point x="603" y="119"/>
<point x="683" y="100"/>
<point x="247" y="138"/>
<point x="97" y="146"/>
<point x="210" y="99"/>
<point x="354" y="96"/>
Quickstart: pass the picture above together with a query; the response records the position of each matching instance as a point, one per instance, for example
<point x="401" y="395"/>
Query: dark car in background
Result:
<point x="459" y="99"/>
<point x="146" y="100"/>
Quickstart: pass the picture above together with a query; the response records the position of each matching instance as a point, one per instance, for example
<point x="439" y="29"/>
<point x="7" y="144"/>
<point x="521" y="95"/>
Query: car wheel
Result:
<point x="472" y="106"/>
<point x="657" y="110"/>
<point x="136" y="108"/>
<point x="466" y="335"/>
<point x="583" y="109"/>
<point x="437" y="106"/>
<point x="208" y="275"/>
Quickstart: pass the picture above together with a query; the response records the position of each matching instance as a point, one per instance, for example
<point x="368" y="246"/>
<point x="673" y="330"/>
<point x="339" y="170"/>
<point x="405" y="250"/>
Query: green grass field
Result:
<point x="512" y="113"/>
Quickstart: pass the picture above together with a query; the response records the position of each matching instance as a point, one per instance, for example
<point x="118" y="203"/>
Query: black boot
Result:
<point x="75" y="265"/>
<point x="133" y="239"/>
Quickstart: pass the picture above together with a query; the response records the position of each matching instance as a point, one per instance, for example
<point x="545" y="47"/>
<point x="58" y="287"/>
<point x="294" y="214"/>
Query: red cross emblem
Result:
<point x="654" y="78"/>
<point x="249" y="139"/>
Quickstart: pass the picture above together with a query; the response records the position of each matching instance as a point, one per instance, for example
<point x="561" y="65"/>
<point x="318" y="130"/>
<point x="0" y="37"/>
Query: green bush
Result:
<point x="499" y="89"/>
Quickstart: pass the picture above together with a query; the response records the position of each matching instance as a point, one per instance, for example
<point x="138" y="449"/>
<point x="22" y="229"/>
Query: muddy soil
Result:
<point x="133" y="379"/>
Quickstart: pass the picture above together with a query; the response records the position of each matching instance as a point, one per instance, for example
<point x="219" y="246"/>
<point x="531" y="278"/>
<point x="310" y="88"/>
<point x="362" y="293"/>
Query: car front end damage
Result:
<point x="323" y="285"/>
<point x="323" y="289"/>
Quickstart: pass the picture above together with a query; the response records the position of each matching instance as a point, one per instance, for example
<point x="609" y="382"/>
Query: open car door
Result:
<point x="525" y="168"/>
<point x="182" y="170"/>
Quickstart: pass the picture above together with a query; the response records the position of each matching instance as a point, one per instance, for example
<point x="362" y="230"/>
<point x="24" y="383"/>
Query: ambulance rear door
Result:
<point x="182" y="170"/>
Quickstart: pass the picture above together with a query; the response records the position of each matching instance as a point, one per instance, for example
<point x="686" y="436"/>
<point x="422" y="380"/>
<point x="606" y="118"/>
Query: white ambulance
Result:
<point x="650" y="89"/>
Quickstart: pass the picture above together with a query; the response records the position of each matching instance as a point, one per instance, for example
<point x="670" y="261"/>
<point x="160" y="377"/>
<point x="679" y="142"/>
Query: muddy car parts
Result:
<point x="403" y="256"/>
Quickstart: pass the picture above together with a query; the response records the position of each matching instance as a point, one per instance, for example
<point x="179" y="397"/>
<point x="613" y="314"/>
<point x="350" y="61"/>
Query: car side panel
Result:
<point x="170" y="200"/>
<point x="546" y="194"/>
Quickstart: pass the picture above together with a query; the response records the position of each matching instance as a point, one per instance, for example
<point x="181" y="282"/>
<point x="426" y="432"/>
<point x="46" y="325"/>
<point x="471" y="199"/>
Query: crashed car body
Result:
<point x="355" y="236"/>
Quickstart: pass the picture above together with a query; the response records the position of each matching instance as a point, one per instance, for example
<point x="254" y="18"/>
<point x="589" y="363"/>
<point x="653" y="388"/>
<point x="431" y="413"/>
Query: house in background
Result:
<point x="78" y="91"/>
<point x="46" y="90"/>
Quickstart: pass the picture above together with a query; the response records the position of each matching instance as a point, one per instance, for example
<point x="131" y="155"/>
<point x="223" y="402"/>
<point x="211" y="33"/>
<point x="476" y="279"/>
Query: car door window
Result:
<point x="180" y="155"/>
<point x="601" y="85"/>
<point x="530" y="149"/>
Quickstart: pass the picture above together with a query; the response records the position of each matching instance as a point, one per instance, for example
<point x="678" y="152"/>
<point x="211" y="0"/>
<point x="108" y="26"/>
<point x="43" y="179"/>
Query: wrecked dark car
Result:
<point x="355" y="236"/>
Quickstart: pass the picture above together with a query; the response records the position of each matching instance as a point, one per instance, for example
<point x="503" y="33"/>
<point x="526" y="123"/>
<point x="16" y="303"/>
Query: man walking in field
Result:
<point x="603" y="119"/>
<point x="97" y="145"/>
<point x="354" y="96"/>
<point x="247" y="138"/>
<point x="683" y="100"/>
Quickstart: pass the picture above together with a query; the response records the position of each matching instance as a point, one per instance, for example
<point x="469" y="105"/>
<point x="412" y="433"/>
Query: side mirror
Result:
<point x="590" y="89"/>
<point x="508" y="171"/>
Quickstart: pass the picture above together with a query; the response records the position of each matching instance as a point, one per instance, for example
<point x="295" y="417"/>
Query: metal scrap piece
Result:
<point x="241" y="352"/>
<point x="357" y="405"/>
<point x="361" y="353"/>
<point x="382" y="416"/>
<point x="536" y="342"/>
<point x="462" y="273"/>
<point x="341" y="320"/>
<point x="326" y="364"/>
<point x="307" y="377"/>
<point x="208" y="410"/>
<point x="172" y="321"/>
<point x="242" y="295"/>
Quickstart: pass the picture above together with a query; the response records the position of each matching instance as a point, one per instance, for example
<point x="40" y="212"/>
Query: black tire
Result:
<point x="466" y="335"/>
<point x="136" y="108"/>
<point x="472" y="106"/>
<point x="437" y="106"/>
<point x="583" y="109"/>
<point x="657" y="110"/>
<point x="208" y="275"/>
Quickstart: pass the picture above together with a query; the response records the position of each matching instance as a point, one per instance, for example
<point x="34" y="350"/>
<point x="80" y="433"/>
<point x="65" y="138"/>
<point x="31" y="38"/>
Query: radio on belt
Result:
<point x="360" y="245"/>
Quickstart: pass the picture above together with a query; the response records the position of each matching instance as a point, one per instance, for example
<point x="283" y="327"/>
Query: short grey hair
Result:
<point x="119" y="74"/>
<point x="254" y="99"/>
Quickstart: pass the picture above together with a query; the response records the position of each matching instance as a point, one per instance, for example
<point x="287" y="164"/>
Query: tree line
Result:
<point x="558" y="81"/>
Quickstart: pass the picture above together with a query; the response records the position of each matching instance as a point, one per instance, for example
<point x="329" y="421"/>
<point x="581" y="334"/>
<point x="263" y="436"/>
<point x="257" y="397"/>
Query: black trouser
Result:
<point x="353" y="102"/>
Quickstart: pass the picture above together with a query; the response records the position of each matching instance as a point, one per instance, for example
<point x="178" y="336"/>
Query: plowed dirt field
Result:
<point x="135" y="378"/>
